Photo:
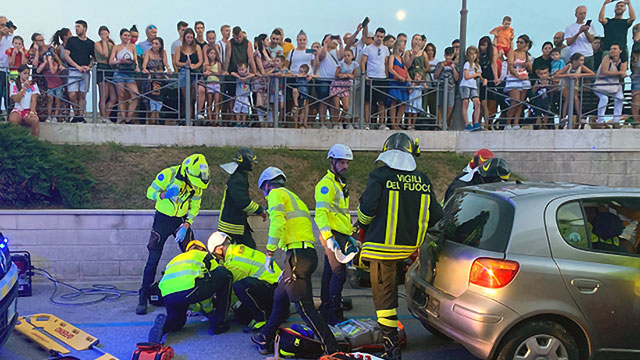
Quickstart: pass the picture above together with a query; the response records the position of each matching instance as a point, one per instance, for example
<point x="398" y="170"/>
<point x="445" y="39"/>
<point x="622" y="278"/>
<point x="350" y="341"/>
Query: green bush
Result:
<point x="36" y="173"/>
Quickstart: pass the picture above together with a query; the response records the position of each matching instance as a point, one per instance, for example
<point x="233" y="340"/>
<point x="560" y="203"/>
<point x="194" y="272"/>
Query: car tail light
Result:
<point x="493" y="273"/>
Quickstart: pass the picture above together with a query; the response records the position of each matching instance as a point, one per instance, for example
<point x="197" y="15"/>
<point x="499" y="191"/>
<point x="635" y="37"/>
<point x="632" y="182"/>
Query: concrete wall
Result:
<point x="87" y="245"/>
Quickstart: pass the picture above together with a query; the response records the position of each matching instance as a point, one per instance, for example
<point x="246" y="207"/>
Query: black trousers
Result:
<point x="256" y="295"/>
<point x="385" y="293"/>
<point x="163" y="227"/>
<point x="334" y="275"/>
<point x="177" y="304"/>
<point x="245" y="239"/>
<point x="295" y="286"/>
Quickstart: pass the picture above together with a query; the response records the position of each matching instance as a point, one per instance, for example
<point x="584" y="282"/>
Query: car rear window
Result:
<point x="480" y="221"/>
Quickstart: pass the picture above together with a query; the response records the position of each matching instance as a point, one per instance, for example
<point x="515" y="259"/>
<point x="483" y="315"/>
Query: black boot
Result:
<point x="391" y="346"/>
<point x="157" y="331"/>
<point x="143" y="297"/>
<point x="336" y="315"/>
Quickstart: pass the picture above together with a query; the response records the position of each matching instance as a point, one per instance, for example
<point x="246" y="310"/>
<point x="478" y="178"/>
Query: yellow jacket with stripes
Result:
<point x="332" y="207"/>
<point x="396" y="209"/>
<point x="187" y="202"/>
<point x="183" y="270"/>
<point x="245" y="262"/>
<point x="290" y="221"/>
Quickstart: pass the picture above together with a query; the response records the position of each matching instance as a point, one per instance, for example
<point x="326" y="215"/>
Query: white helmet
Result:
<point x="269" y="174"/>
<point x="340" y="152"/>
<point x="216" y="239"/>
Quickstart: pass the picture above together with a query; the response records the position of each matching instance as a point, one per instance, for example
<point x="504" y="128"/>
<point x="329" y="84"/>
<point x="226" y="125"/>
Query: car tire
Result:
<point x="539" y="336"/>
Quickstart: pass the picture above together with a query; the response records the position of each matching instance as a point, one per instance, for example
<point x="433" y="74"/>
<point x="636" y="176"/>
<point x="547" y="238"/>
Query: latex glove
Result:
<point x="353" y="241"/>
<point x="332" y="244"/>
<point x="180" y="234"/>
<point x="268" y="263"/>
<point x="172" y="191"/>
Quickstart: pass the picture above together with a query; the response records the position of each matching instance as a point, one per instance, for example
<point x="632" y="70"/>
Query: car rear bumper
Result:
<point x="8" y="287"/>
<point x="473" y="320"/>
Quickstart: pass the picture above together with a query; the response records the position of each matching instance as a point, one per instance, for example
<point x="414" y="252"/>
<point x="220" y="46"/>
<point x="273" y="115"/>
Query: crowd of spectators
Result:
<point x="235" y="81"/>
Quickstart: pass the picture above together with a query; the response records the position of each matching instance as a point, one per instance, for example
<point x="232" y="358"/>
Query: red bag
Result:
<point x="402" y="71"/>
<point x="152" y="351"/>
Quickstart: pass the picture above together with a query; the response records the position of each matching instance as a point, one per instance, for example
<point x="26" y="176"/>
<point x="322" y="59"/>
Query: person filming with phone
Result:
<point x="580" y="35"/>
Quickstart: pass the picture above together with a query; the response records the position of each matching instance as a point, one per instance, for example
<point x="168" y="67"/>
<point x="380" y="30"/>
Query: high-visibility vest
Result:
<point x="183" y="270"/>
<point x="245" y="262"/>
<point x="290" y="221"/>
<point x="187" y="202"/>
<point x="332" y="207"/>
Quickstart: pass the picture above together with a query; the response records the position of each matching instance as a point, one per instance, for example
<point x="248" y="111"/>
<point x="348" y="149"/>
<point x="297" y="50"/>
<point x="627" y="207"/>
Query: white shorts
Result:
<point x="78" y="81"/>
<point x="241" y="105"/>
<point x="213" y="88"/>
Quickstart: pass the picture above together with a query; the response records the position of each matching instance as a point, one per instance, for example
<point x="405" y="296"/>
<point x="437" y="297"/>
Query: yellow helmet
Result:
<point x="196" y="169"/>
<point x="193" y="243"/>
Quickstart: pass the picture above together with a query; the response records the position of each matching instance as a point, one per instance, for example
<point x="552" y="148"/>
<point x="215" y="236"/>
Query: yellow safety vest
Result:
<point x="245" y="262"/>
<point x="290" y="220"/>
<point x="332" y="208"/>
<point x="186" y="203"/>
<point x="183" y="270"/>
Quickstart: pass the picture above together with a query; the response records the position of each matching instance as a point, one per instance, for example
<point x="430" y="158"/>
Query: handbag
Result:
<point x="402" y="71"/>
<point x="607" y="85"/>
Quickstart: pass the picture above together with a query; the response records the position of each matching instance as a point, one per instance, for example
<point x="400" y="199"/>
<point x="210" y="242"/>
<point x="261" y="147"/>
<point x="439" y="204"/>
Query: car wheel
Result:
<point x="540" y="339"/>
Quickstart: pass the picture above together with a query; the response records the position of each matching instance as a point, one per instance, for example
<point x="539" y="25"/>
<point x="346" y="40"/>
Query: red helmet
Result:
<point x="480" y="157"/>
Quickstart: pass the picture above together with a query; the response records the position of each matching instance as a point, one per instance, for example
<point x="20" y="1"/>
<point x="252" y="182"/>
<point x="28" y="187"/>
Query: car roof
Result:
<point x="549" y="190"/>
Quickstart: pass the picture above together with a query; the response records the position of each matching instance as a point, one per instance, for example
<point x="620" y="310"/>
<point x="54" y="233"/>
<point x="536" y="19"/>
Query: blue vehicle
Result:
<point x="8" y="291"/>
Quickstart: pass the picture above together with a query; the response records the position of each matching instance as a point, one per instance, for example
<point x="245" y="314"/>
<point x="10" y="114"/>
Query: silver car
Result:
<point x="533" y="271"/>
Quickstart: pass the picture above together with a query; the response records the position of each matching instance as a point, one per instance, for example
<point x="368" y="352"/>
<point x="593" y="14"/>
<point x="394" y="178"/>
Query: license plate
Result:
<point x="11" y="310"/>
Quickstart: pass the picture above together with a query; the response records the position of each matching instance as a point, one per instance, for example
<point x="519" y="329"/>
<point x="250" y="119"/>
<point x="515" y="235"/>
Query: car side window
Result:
<point x="571" y="224"/>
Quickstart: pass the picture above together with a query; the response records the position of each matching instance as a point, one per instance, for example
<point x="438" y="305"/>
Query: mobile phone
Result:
<point x="335" y="37"/>
<point x="365" y="22"/>
<point x="310" y="51"/>
<point x="589" y="22"/>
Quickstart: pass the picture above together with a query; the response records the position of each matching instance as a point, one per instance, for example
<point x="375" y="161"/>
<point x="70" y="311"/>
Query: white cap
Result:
<point x="340" y="152"/>
<point x="268" y="174"/>
<point x="216" y="239"/>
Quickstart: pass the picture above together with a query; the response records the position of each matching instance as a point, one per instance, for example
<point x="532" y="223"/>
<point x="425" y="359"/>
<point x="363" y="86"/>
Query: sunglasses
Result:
<point x="379" y="51"/>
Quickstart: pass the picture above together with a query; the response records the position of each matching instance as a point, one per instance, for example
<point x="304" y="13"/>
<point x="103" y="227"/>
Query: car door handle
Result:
<point x="586" y="286"/>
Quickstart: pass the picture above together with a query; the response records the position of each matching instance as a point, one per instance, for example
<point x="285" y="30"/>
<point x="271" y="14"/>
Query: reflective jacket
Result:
<point x="396" y="207"/>
<point x="332" y="207"/>
<point x="186" y="203"/>
<point x="183" y="270"/>
<point x="290" y="221"/>
<point x="245" y="262"/>
<point x="236" y="204"/>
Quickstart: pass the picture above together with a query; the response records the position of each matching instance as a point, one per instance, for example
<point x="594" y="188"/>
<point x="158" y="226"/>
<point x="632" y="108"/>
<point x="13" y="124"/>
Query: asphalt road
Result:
<point x="119" y="329"/>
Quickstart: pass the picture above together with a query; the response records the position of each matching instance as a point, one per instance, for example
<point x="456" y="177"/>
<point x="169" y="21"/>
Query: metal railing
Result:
<point x="191" y="98"/>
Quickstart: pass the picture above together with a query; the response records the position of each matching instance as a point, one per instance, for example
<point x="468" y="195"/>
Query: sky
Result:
<point x="439" y="20"/>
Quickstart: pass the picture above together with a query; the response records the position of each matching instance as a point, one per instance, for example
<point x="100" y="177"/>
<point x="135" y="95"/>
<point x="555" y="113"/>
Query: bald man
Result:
<point x="579" y="37"/>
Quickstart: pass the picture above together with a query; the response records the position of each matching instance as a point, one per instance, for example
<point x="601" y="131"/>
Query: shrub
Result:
<point x="34" y="172"/>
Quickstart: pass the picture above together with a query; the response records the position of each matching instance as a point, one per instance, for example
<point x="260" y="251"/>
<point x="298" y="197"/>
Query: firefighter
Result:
<point x="193" y="277"/>
<point x="236" y="203"/>
<point x="492" y="170"/>
<point x="252" y="283"/>
<point x="291" y="230"/>
<point x="396" y="208"/>
<point x="333" y="220"/>
<point x="177" y="191"/>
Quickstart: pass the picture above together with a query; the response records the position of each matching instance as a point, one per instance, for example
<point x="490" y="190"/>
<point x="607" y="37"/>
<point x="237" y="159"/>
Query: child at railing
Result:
<point x="542" y="98"/>
<point x="469" y="89"/>
<point x="24" y="92"/>
<point x="214" y="96"/>
<point x="17" y="56"/>
<point x="278" y="74"/>
<point x="341" y="86"/>
<point x="301" y="93"/>
<point x="50" y="69"/>
<point x="415" y="100"/>
<point x="556" y="61"/>
<point x="574" y="69"/>
<point x="243" y="94"/>
<point x="158" y="80"/>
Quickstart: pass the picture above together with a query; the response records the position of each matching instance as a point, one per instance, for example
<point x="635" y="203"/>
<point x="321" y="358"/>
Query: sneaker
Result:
<point x="200" y="117"/>
<point x="366" y="127"/>
<point x="516" y="127"/>
<point x="156" y="333"/>
<point x="349" y="127"/>
<point x="253" y="326"/>
<point x="264" y="346"/>
<point x="507" y="127"/>
<point x="469" y="127"/>
<point x="383" y="127"/>
<point x="48" y="119"/>
<point x="54" y="119"/>
<point x="477" y="127"/>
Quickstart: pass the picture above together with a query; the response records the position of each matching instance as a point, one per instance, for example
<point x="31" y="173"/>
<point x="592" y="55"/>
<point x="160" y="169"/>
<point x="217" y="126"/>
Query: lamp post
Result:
<point x="457" y="121"/>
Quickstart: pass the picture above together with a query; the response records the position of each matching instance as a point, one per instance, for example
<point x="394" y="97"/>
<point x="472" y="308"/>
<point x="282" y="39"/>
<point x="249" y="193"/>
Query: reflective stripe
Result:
<point x="297" y="214"/>
<point x="279" y="207"/>
<point x="387" y="313"/>
<point x="177" y="274"/>
<point x="384" y="247"/>
<point x="392" y="218"/>
<point x="230" y="228"/>
<point x="323" y="205"/>
<point x="423" y="218"/>
<point x="252" y="207"/>
<point x="247" y="261"/>
<point x="388" y="322"/>
<point x="186" y="262"/>
<point x="156" y="186"/>
<point x="365" y="254"/>
<point x="298" y="245"/>
<point x="364" y="219"/>
<point x="196" y="198"/>
<point x="273" y="241"/>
